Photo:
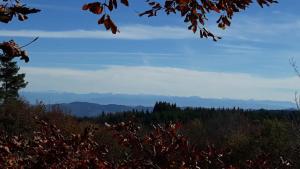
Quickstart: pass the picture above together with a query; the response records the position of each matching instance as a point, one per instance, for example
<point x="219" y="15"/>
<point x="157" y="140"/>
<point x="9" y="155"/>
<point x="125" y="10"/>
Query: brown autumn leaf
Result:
<point x="125" y="2"/>
<point x="95" y="8"/>
<point x="10" y="10"/>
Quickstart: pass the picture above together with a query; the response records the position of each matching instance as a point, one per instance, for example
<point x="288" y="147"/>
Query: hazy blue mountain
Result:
<point x="149" y="100"/>
<point x="92" y="109"/>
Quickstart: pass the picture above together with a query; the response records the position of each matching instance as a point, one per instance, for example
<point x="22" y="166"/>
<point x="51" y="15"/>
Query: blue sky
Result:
<point x="159" y="55"/>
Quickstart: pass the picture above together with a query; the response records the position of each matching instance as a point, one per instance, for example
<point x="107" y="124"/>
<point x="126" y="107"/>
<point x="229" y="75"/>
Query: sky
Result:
<point x="159" y="55"/>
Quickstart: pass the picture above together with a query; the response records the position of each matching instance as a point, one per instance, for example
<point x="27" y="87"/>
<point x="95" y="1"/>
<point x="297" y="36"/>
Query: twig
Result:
<point x="35" y="39"/>
<point x="293" y="64"/>
<point x="297" y="101"/>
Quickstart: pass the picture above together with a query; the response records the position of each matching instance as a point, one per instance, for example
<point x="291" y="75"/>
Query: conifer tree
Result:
<point x="11" y="81"/>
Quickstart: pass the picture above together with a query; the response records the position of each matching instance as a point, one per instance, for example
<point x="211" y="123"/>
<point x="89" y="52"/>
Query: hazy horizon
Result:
<point x="54" y="97"/>
<point x="143" y="94"/>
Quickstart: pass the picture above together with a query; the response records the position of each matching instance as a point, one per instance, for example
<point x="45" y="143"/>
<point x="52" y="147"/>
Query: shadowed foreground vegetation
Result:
<point x="168" y="137"/>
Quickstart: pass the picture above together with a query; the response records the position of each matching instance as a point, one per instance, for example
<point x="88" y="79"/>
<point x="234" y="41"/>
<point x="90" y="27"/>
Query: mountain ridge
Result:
<point x="82" y="109"/>
<point x="149" y="100"/>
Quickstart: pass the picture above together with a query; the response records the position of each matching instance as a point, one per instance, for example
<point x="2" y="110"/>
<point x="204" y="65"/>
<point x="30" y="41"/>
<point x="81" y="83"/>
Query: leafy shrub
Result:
<point x="161" y="148"/>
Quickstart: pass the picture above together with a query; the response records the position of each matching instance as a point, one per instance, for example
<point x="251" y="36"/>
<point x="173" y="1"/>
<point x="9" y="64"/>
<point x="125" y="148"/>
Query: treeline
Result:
<point x="236" y="137"/>
<point x="165" y="112"/>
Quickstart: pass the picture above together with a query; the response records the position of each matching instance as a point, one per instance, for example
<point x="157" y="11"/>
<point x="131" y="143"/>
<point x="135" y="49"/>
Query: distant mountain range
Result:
<point x="81" y="109"/>
<point x="116" y="102"/>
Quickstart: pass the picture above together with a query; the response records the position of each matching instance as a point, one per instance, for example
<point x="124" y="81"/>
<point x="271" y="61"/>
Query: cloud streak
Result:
<point x="260" y="30"/>
<point x="248" y="29"/>
<point x="161" y="81"/>
<point x="107" y="53"/>
<point x="131" y="32"/>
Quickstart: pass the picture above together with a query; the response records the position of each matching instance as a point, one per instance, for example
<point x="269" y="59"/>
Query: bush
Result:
<point x="163" y="147"/>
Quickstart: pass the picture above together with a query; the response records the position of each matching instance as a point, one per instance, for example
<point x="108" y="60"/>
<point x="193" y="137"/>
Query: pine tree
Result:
<point x="11" y="81"/>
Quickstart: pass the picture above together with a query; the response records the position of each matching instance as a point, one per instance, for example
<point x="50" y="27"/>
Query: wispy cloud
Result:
<point x="97" y="53"/>
<point x="162" y="81"/>
<point x="131" y="32"/>
<point x="239" y="48"/>
<point x="248" y="29"/>
<point x="54" y="7"/>
<point x="262" y="30"/>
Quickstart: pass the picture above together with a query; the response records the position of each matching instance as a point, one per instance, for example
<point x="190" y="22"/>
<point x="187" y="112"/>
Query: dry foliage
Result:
<point x="194" y="12"/>
<point x="10" y="50"/>
<point x="161" y="148"/>
<point x="14" y="8"/>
